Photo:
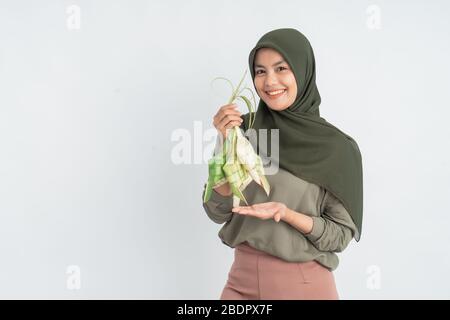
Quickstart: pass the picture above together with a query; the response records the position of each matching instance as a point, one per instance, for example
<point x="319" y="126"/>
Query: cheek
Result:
<point x="294" y="89"/>
<point x="259" y="85"/>
<point x="292" y="86"/>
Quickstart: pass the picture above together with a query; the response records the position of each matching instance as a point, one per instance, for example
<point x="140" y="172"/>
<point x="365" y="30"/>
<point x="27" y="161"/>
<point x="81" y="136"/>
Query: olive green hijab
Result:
<point x="309" y="147"/>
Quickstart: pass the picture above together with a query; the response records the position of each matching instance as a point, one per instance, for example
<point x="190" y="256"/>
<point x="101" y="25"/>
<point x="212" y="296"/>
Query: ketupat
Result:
<point x="237" y="163"/>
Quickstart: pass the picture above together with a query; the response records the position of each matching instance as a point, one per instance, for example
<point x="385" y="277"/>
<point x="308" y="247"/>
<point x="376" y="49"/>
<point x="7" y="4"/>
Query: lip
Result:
<point x="276" y="96"/>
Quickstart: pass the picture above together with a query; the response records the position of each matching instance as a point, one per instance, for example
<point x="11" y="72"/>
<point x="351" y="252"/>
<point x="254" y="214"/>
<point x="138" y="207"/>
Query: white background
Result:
<point x="87" y="176"/>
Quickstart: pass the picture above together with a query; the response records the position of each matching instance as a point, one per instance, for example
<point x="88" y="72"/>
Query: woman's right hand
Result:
<point x="227" y="117"/>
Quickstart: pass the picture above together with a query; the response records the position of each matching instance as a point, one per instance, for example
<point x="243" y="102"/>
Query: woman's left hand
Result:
<point x="266" y="210"/>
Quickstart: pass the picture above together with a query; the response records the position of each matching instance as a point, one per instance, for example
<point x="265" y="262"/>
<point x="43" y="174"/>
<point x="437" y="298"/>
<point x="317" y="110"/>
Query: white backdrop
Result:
<point x="93" y="203"/>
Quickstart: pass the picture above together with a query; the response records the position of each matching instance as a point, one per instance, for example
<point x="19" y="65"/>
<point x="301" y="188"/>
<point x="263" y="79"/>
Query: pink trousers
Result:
<point x="256" y="275"/>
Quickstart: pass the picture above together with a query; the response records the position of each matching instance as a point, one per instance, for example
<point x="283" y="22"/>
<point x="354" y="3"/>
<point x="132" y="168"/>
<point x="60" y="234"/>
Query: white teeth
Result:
<point x="272" y="93"/>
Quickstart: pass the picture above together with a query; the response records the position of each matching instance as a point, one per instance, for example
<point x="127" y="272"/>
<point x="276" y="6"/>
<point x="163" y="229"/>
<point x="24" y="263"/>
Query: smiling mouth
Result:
<point x="275" y="94"/>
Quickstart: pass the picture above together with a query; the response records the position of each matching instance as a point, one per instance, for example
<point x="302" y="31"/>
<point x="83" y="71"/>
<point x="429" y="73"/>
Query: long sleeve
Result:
<point x="218" y="207"/>
<point x="334" y="228"/>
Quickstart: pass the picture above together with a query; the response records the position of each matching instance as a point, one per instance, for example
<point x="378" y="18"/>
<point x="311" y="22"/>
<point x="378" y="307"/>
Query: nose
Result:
<point x="271" y="79"/>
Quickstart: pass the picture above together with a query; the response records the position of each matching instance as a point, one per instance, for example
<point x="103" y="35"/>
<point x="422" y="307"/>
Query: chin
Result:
<point x="277" y="107"/>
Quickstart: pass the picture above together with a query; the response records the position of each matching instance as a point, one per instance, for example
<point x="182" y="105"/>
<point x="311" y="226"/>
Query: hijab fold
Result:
<point x="309" y="147"/>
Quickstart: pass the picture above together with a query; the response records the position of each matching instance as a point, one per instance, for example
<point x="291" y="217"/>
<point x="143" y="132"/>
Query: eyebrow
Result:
<point x="279" y="62"/>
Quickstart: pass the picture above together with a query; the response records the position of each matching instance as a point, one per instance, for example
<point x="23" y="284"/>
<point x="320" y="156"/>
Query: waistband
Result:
<point x="246" y="247"/>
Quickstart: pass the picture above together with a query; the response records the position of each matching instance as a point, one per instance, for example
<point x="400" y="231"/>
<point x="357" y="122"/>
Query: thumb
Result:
<point x="276" y="217"/>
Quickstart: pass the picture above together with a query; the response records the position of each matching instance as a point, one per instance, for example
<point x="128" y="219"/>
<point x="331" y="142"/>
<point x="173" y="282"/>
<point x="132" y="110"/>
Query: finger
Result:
<point x="222" y="123"/>
<point x="229" y="117"/>
<point x="261" y="207"/>
<point x="236" y="209"/>
<point x="229" y="106"/>
<point x="246" y="211"/>
<point x="253" y="212"/>
<point x="232" y="124"/>
<point x="228" y="112"/>
<point x="277" y="217"/>
<point x="225" y="110"/>
<point x="265" y="204"/>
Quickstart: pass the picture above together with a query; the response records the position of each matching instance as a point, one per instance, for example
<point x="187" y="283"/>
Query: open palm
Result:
<point x="265" y="210"/>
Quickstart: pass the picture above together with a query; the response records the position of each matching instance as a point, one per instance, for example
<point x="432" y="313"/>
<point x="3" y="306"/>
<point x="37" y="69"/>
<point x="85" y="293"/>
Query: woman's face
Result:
<point x="272" y="74"/>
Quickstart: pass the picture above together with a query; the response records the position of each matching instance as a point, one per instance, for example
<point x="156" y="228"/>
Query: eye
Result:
<point x="279" y="68"/>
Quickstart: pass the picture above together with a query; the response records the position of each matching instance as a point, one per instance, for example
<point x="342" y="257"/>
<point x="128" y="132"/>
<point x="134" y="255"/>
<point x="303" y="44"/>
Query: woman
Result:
<point x="286" y="243"/>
